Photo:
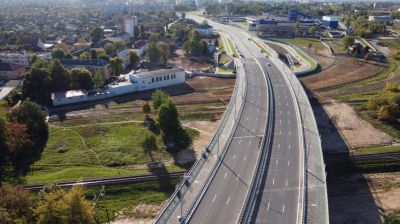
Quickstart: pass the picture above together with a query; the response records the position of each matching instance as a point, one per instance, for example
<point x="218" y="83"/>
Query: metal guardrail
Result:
<point x="189" y="178"/>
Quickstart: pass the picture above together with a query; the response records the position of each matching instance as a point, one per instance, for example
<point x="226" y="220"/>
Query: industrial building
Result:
<point x="128" y="83"/>
<point x="331" y="22"/>
<point x="279" y="27"/>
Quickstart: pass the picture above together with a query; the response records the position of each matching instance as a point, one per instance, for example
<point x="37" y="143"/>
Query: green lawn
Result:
<point x="302" y="42"/>
<point x="224" y="70"/>
<point x="336" y="45"/>
<point x="377" y="149"/>
<point x="125" y="197"/>
<point x="70" y="153"/>
<point x="231" y="47"/>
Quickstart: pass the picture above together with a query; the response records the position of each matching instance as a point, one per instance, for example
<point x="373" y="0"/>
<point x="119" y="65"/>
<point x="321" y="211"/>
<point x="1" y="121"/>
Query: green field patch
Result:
<point x="125" y="197"/>
<point x="376" y="149"/>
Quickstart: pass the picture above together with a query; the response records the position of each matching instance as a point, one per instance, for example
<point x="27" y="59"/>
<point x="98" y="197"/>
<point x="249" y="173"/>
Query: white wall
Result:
<point x="146" y="83"/>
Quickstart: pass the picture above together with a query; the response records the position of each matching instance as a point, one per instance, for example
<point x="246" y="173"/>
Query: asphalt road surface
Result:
<point x="282" y="196"/>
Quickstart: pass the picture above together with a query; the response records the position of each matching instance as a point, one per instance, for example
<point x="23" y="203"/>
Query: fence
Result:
<point x="197" y="178"/>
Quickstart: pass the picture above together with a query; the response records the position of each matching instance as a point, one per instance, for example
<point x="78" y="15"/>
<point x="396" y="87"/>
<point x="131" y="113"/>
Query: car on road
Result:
<point x="268" y="64"/>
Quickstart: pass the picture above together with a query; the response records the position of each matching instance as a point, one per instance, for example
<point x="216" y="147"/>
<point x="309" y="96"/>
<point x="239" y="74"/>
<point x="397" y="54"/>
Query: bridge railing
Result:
<point x="204" y="166"/>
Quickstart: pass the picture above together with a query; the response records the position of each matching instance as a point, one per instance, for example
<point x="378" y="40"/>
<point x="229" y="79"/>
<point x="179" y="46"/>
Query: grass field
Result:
<point x="125" y="197"/>
<point x="377" y="149"/>
<point x="224" y="70"/>
<point x="336" y="45"/>
<point x="95" y="151"/>
<point x="392" y="44"/>
<point x="303" y="43"/>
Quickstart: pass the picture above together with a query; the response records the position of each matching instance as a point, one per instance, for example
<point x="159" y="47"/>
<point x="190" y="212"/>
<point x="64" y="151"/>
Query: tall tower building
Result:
<point x="128" y="24"/>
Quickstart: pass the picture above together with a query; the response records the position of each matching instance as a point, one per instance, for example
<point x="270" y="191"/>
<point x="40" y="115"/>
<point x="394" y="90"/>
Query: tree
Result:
<point x="98" y="80"/>
<point x="194" y="45"/>
<point x="93" y="54"/>
<point x="395" y="54"/>
<point x="153" y="52"/>
<point x="297" y="28"/>
<point x="18" y="143"/>
<point x="84" y="56"/>
<point x="142" y="32"/>
<point x="347" y="41"/>
<point x="15" y="205"/>
<point x="146" y="109"/>
<point x="34" y="118"/>
<point x="159" y="97"/>
<point x="149" y="144"/>
<point x="117" y="65"/>
<point x="119" y="45"/>
<point x="387" y="113"/>
<point x="59" y="76"/>
<point x="63" y="46"/>
<point x="312" y="30"/>
<point x="97" y="34"/>
<point x="109" y="47"/>
<point x="79" y="210"/>
<point x="393" y="218"/>
<point x="168" y="119"/>
<point x="58" y="206"/>
<point x="37" y="84"/>
<point x="58" y="53"/>
<point x="103" y="55"/>
<point x="133" y="58"/>
<point x="81" y="79"/>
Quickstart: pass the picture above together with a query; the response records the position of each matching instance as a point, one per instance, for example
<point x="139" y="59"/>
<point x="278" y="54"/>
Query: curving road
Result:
<point x="281" y="197"/>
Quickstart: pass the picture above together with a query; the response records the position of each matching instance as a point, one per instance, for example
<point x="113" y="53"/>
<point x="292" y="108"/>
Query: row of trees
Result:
<point x="46" y="77"/>
<point x="53" y="205"/>
<point x="23" y="136"/>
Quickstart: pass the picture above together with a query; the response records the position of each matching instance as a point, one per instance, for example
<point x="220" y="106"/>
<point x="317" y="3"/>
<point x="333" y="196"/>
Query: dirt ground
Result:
<point x="137" y="213"/>
<point x="346" y="69"/>
<point x="363" y="199"/>
<point x="198" y="63"/>
<point x="357" y="132"/>
<point x="206" y="130"/>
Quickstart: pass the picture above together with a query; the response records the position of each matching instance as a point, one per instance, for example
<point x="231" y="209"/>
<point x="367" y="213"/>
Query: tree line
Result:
<point x="23" y="136"/>
<point x="386" y="106"/>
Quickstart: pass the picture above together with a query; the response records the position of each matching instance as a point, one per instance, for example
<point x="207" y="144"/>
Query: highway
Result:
<point x="281" y="198"/>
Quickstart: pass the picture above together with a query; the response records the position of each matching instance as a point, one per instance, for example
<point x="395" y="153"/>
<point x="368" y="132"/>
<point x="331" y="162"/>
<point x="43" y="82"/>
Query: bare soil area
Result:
<point x="206" y="130"/>
<point x="345" y="70"/>
<point x="357" y="132"/>
<point x="140" y="214"/>
<point x="363" y="198"/>
<point x="193" y="63"/>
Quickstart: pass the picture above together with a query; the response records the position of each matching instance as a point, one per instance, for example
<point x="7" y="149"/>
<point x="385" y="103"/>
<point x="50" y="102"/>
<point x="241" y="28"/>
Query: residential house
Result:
<point x="93" y="65"/>
<point x="31" y="43"/>
<point x="11" y="71"/>
<point x="140" y="47"/>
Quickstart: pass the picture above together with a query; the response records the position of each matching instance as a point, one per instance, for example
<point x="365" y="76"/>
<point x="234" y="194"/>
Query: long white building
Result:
<point x="128" y="83"/>
<point x="23" y="59"/>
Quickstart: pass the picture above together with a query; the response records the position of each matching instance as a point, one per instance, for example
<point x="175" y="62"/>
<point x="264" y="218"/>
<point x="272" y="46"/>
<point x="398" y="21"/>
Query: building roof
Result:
<point x="6" y="67"/>
<point x="68" y="94"/>
<point x="84" y="62"/>
<point x="29" y="41"/>
<point x="157" y="72"/>
<point x="140" y="43"/>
